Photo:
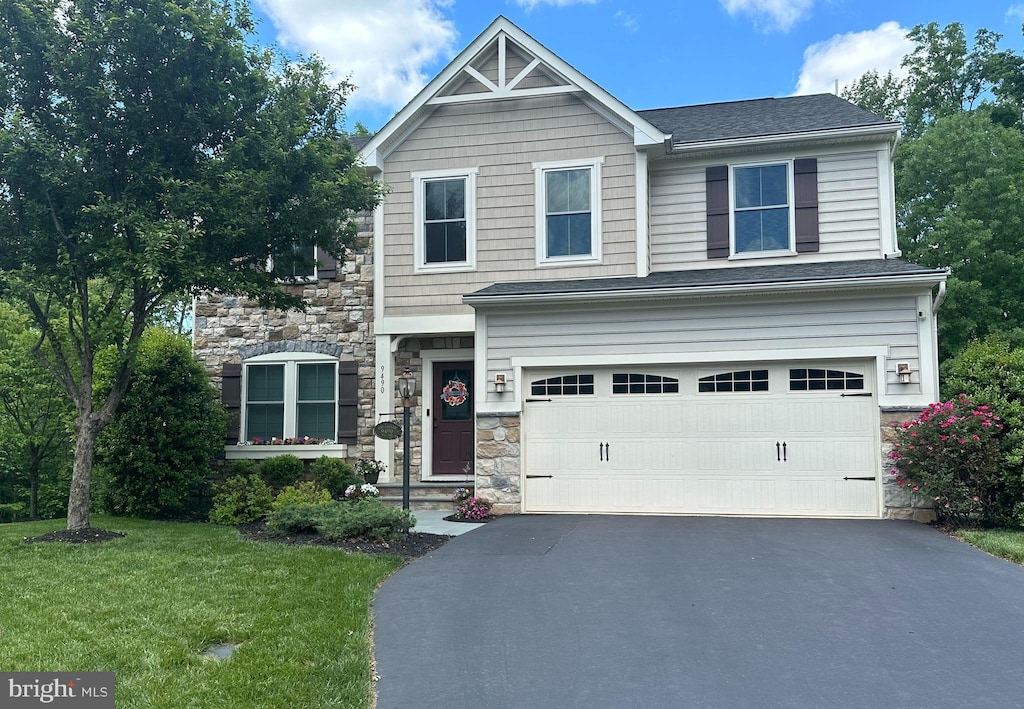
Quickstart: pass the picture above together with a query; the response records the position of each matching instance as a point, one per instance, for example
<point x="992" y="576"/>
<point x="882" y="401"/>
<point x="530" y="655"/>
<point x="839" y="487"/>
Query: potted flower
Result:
<point x="370" y="469"/>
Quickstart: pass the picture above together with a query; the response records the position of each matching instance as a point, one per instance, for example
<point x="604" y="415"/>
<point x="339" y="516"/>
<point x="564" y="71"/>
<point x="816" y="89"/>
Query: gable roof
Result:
<point x="708" y="281"/>
<point x="463" y="80"/>
<point x="762" y="117"/>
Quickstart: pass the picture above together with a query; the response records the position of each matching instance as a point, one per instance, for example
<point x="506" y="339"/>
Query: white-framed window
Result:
<point x="762" y="209"/>
<point x="290" y="395"/>
<point x="444" y="213"/>
<point x="568" y="227"/>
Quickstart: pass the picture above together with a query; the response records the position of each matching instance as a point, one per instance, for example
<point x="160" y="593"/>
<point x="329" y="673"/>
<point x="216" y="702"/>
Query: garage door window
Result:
<point x="824" y="380"/>
<point x="746" y="380"/>
<point x="568" y="385"/>
<point x="631" y="383"/>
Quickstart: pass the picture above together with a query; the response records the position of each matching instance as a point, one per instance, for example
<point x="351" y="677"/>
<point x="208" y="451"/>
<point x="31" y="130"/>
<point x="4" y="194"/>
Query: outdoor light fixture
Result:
<point x="903" y="372"/>
<point x="406" y="385"/>
<point x="499" y="383"/>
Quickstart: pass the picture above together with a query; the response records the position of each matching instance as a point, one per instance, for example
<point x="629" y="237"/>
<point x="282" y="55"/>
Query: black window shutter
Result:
<point x="805" y="188"/>
<point x="717" y="184"/>
<point x="327" y="268"/>
<point x="231" y="397"/>
<point x="348" y="402"/>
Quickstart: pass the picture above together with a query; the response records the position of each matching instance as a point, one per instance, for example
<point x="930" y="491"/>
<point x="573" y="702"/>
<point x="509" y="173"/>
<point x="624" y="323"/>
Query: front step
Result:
<point x="422" y="496"/>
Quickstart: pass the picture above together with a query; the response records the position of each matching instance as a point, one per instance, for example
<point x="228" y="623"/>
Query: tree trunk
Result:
<point x="33" y="487"/>
<point x="87" y="428"/>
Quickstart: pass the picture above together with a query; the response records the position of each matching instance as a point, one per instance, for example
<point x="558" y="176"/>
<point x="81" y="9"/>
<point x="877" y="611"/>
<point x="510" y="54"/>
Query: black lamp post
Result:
<point x="406" y="386"/>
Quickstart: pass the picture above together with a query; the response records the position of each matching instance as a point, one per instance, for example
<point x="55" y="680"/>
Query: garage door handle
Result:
<point x="780" y="451"/>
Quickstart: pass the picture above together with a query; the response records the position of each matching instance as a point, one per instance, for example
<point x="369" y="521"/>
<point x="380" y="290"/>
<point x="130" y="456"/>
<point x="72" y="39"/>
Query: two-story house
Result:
<point x="694" y="310"/>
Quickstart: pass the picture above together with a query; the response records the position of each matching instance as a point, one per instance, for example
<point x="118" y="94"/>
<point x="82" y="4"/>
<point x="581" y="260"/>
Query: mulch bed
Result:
<point x="453" y="518"/>
<point x="88" y="535"/>
<point x="415" y="545"/>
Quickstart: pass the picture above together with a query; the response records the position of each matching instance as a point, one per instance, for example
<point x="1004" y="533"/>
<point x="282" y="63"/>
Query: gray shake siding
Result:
<point x="849" y="205"/>
<point x="503" y="139"/>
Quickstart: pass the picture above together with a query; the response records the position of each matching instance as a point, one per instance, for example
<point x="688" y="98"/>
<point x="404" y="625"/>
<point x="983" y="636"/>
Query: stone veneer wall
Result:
<point x="899" y="502"/>
<point x="338" y="321"/>
<point x="408" y="355"/>
<point x="498" y="461"/>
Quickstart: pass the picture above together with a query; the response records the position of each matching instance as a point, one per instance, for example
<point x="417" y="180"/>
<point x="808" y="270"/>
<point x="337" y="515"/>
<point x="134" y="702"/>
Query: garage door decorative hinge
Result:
<point x="530" y="477"/>
<point x="859" y="393"/>
<point x="532" y="400"/>
<point x="860" y="478"/>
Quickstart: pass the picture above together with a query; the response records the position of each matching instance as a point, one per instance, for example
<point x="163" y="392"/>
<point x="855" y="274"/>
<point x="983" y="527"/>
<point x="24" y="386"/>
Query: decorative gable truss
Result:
<point x="504" y="69"/>
<point x="506" y="63"/>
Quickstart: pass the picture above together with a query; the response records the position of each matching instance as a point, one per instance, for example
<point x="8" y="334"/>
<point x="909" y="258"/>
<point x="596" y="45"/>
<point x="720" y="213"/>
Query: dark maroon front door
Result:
<point x="452" y="411"/>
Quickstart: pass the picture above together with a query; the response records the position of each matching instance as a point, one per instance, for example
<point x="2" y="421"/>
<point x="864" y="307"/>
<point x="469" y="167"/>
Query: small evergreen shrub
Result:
<point x="367" y="518"/>
<point x="304" y="493"/>
<point x="334" y="475"/>
<point x="951" y="453"/>
<point x="281" y="471"/>
<point x="244" y="467"/>
<point x="299" y="518"/>
<point x="241" y="499"/>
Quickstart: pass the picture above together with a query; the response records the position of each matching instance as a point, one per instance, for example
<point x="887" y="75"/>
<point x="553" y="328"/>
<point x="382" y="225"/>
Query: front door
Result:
<point x="452" y="419"/>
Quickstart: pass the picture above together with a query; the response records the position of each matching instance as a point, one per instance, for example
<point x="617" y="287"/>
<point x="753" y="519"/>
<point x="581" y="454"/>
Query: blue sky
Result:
<point x="647" y="53"/>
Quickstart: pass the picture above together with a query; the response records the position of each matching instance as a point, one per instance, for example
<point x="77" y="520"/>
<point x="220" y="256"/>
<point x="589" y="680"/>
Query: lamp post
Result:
<point x="406" y="387"/>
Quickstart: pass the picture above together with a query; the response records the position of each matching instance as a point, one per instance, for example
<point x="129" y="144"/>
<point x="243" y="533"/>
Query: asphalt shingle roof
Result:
<point x="702" y="278"/>
<point x="759" y="117"/>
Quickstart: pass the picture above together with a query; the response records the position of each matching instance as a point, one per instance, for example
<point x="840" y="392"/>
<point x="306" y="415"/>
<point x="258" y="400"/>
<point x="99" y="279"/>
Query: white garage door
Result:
<point x="794" y="439"/>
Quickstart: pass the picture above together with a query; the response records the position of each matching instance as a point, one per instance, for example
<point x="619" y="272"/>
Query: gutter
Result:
<point x="676" y="292"/>
<point x="940" y="297"/>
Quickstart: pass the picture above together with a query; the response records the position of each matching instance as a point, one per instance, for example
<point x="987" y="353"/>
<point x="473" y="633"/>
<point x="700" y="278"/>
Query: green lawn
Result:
<point x="1007" y="543"/>
<point x="145" y="606"/>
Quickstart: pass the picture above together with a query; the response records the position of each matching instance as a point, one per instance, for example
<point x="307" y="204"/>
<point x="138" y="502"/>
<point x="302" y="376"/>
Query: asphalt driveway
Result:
<point x="605" y="611"/>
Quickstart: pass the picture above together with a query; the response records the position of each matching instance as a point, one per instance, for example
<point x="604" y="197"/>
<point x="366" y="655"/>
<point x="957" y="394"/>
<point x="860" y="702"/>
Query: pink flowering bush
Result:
<point x="951" y="454"/>
<point x="469" y="507"/>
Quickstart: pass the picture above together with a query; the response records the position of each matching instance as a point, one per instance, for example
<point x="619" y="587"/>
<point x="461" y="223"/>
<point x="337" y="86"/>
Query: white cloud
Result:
<point x="778" y="14"/>
<point x="381" y="46"/>
<point x="530" y="4"/>
<point x="847" y="56"/>
<point x="1015" y="12"/>
<point x="628" y="21"/>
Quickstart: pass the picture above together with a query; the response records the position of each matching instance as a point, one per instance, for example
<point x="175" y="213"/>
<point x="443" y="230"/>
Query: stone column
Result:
<point x="899" y="502"/>
<point x="498" y="463"/>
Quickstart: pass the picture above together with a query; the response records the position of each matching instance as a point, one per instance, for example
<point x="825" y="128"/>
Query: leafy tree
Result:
<point x="35" y="413"/>
<point x="149" y="149"/>
<point x="960" y="204"/>
<point x="884" y="96"/>
<point x="158" y="451"/>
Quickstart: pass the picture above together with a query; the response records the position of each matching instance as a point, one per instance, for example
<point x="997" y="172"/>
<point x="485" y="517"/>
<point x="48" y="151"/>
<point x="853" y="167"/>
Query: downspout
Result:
<point x="939" y="297"/>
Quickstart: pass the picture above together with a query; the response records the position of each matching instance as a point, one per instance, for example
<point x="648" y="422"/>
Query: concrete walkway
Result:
<point x="433" y="522"/>
<point x="603" y="612"/>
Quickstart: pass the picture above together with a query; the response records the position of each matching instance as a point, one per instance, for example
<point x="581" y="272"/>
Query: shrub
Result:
<point x="992" y="372"/>
<point x="358" y="492"/>
<point x="281" y="470"/>
<point x="243" y="467"/>
<point x="951" y="452"/>
<point x="367" y="518"/>
<point x="156" y="456"/>
<point x="299" y="518"/>
<point x="334" y="475"/>
<point x="305" y="493"/>
<point x="241" y="499"/>
<point x="473" y="508"/>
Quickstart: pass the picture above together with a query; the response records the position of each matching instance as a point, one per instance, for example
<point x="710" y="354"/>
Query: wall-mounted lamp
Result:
<point x="499" y="383"/>
<point x="903" y="372"/>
